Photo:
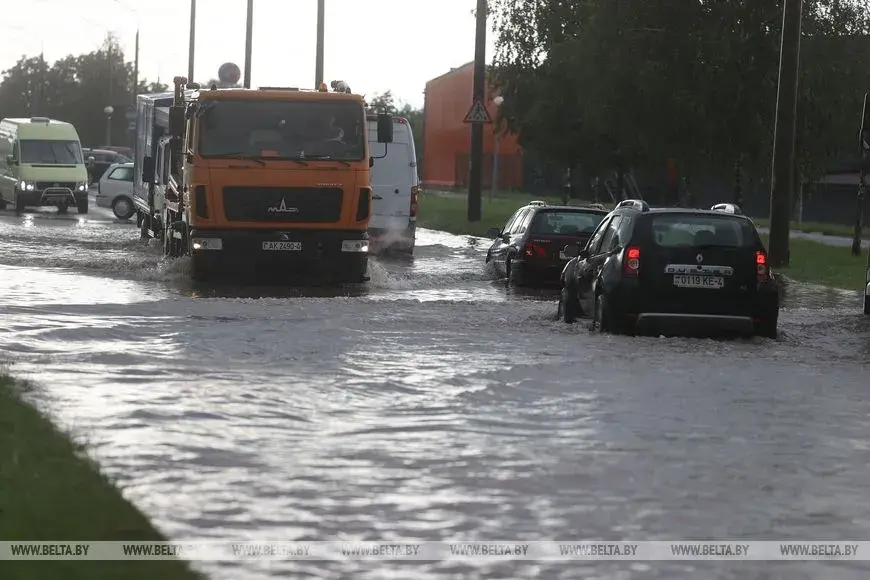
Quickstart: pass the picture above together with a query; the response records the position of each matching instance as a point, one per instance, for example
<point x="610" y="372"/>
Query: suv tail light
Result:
<point x="533" y="251"/>
<point x="415" y="196"/>
<point x="631" y="262"/>
<point x="762" y="268"/>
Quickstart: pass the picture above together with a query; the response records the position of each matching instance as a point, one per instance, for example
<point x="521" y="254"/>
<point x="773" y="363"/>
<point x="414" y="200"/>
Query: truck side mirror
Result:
<point x="10" y="159"/>
<point x="90" y="161"/>
<point x="148" y="170"/>
<point x="371" y="162"/>
<point x="385" y="128"/>
<point x="571" y="251"/>
<point x="176" y="121"/>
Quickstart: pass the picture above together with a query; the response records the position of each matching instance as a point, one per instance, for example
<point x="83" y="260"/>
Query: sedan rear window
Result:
<point x="688" y="230"/>
<point x="565" y="223"/>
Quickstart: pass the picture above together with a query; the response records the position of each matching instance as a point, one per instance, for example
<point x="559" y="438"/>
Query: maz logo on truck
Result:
<point x="282" y="208"/>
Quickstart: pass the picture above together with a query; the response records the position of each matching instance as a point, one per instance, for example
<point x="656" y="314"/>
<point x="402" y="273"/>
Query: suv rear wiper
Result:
<point x="708" y="246"/>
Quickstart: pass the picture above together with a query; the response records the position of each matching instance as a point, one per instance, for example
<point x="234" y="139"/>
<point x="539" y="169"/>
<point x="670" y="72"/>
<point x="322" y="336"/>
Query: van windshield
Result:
<point x="283" y="129"/>
<point x="50" y="152"/>
<point x="694" y="230"/>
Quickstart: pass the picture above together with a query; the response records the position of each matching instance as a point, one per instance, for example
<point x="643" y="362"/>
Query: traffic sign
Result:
<point x="477" y="114"/>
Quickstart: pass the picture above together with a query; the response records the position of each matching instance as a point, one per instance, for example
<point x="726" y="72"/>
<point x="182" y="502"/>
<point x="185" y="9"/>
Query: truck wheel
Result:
<point x="82" y="205"/>
<point x="19" y="205"/>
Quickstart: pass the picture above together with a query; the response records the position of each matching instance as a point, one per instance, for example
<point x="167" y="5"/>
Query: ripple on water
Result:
<point x="437" y="406"/>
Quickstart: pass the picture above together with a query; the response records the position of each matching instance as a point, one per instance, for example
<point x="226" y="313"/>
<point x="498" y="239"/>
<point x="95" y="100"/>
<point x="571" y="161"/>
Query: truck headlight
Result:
<point x="207" y="243"/>
<point x="26" y="185"/>
<point x="355" y="246"/>
<point x="82" y="187"/>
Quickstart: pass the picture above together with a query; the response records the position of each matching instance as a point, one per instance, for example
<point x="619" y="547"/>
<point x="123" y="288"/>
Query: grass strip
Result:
<point x="50" y="491"/>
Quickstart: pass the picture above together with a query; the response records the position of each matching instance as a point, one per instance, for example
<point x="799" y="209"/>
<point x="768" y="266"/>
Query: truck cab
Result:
<point x="266" y="179"/>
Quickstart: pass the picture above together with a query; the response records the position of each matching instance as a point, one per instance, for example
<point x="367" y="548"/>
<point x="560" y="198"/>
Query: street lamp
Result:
<point x="108" y="111"/>
<point x="497" y="101"/>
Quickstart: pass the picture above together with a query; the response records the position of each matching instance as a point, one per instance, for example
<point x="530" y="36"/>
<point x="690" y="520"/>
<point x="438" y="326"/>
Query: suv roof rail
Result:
<point x="727" y="208"/>
<point x="637" y="204"/>
<point x="538" y="202"/>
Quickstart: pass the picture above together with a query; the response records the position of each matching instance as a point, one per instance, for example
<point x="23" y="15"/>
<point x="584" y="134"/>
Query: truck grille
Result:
<point x="282" y="204"/>
<point x="40" y="185"/>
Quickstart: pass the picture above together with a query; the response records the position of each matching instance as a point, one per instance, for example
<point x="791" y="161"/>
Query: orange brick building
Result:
<point x="447" y="140"/>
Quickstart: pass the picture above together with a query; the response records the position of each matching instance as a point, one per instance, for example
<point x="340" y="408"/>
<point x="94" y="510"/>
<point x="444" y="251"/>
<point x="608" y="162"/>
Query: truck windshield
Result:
<point x="50" y="152"/>
<point x="283" y="129"/>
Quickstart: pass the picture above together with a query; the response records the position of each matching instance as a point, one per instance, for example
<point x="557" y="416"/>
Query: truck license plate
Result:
<point x="283" y="246"/>
<point x="692" y="281"/>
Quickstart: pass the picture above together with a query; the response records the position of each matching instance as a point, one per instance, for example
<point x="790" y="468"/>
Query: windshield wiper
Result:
<point x="326" y="158"/>
<point x="253" y="158"/>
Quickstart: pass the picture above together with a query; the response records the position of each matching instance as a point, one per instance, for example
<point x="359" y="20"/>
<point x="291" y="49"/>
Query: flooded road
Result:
<point x="433" y="405"/>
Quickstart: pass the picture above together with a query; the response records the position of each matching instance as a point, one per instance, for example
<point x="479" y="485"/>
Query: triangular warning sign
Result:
<point x="477" y="114"/>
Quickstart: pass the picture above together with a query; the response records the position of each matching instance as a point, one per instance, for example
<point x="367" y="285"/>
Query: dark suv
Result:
<point x="527" y="250"/>
<point x="667" y="268"/>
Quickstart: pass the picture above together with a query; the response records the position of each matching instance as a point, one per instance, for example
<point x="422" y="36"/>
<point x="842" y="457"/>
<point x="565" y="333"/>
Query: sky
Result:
<point x="373" y="45"/>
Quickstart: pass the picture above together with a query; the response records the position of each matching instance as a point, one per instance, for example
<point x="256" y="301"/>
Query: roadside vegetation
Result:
<point x="49" y="491"/>
<point x="811" y="262"/>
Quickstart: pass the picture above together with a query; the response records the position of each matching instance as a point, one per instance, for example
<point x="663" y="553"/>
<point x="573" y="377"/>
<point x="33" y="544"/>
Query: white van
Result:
<point x="41" y="164"/>
<point x="395" y="189"/>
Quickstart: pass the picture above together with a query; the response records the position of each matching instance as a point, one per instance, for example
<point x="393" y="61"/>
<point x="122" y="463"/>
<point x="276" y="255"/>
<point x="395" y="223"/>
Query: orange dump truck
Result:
<point x="269" y="179"/>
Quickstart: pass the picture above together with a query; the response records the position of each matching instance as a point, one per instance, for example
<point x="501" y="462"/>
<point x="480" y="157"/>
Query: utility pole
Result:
<point x="479" y="92"/>
<point x="782" y="172"/>
<point x="136" y="71"/>
<point x="318" y="63"/>
<point x="249" y="37"/>
<point x="192" y="42"/>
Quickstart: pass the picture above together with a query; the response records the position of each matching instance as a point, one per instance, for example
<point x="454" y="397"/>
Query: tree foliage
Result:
<point x="76" y="89"/>
<point x="693" y="80"/>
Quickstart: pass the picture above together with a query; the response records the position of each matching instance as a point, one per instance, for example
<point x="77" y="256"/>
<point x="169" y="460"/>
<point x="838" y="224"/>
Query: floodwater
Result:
<point x="434" y="405"/>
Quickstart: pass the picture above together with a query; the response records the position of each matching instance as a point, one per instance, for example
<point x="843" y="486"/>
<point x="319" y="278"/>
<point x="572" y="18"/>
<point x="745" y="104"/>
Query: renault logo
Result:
<point x="699" y="258"/>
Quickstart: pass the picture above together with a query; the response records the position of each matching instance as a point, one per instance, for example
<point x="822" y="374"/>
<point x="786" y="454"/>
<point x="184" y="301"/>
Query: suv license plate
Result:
<point x="691" y="281"/>
<point x="283" y="246"/>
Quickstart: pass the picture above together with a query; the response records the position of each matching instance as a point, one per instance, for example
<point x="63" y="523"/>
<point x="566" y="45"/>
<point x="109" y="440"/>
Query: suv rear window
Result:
<point x="692" y="230"/>
<point x="565" y="223"/>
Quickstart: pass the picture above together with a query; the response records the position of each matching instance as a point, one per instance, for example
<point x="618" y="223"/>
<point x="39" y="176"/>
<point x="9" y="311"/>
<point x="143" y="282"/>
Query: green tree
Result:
<point x="76" y="89"/>
<point x="691" y="80"/>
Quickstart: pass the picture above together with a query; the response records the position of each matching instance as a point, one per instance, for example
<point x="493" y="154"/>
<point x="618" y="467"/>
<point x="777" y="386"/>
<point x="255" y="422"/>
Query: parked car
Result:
<point x="99" y="160"/>
<point x="115" y="190"/>
<point x="669" y="268"/>
<point x="125" y="151"/>
<point x="526" y="250"/>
